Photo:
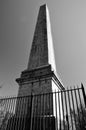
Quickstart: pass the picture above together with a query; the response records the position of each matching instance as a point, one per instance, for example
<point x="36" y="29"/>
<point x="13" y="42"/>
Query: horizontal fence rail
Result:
<point x="62" y="110"/>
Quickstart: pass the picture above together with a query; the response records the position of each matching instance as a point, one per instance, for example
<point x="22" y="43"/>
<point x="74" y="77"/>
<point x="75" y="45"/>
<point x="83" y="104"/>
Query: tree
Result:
<point x="5" y="115"/>
<point x="79" y="118"/>
<point x="5" y="121"/>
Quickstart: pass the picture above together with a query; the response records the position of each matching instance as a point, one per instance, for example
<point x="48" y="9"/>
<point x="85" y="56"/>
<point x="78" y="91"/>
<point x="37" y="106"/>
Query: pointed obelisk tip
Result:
<point x="43" y="6"/>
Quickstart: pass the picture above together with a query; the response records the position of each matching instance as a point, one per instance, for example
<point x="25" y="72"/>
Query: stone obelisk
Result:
<point x="40" y="75"/>
<point x="39" y="78"/>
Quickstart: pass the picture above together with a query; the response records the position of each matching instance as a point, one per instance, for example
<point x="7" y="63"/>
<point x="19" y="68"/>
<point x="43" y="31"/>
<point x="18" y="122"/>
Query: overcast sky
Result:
<point x="17" y="24"/>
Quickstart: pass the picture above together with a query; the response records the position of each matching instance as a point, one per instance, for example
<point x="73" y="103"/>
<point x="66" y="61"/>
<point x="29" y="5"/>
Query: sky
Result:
<point x="17" y="24"/>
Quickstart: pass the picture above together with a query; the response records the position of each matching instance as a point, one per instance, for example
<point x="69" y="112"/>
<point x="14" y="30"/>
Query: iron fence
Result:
<point x="62" y="110"/>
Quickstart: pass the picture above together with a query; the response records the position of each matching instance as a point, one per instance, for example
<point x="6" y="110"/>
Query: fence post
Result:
<point x="83" y="91"/>
<point x="31" y="112"/>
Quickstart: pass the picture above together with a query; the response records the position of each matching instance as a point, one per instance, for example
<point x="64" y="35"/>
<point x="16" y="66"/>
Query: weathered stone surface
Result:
<point x="39" y="51"/>
<point x="42" y="52"/>
<point x="39" y="76"/>
<point x="37" y="81"/>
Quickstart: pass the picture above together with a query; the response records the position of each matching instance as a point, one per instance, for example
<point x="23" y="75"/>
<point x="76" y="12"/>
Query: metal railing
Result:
<point x="62" y="110"/>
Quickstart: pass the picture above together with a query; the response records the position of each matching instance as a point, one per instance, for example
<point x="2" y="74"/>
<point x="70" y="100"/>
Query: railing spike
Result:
<point x="84" y="95"/>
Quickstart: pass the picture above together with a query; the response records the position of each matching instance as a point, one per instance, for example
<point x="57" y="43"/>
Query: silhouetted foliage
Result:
<point x="5" y="121"/>
<point x="79" y="118"/>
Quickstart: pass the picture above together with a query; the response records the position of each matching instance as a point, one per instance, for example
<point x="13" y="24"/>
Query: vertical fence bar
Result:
<point x="43" y="112"/>
<point x="21" y="112"/>
<point x="24" y="113"/>
<point x="77" y="108"/>
<point x="59" y="110"/>
<point x="37" y="113"/>
<point x="73" y="108"/>
<point x="10" y="122"/>
<point x="47" y="110"/>
<point x="50" y="108"/>
<point x="80" y="103"/>
<point x="8" y="111"/>
<point x="18" y="116"/>
<point x="82" y="111"/>
<point x="40" y="115"/>
<point x="31" y="117"/>
<point x="83" y="91"/>
<point x="12" y="119"/>
<point x="63" y="110"/>
<point x="56" y="122"/>
<point x="70" y="109"/>
<point x="13" y="110"/>
<point x="34" y="112"/>
<point x="67" y="115"/>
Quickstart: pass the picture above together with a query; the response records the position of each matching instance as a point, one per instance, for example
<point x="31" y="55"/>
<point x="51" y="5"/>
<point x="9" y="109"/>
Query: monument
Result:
<point x="40" y="77"/>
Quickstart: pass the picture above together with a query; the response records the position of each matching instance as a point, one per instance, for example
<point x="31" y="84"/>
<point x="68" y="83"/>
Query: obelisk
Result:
<point x="40" y="75"/>
<point x="36" y="106"/>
